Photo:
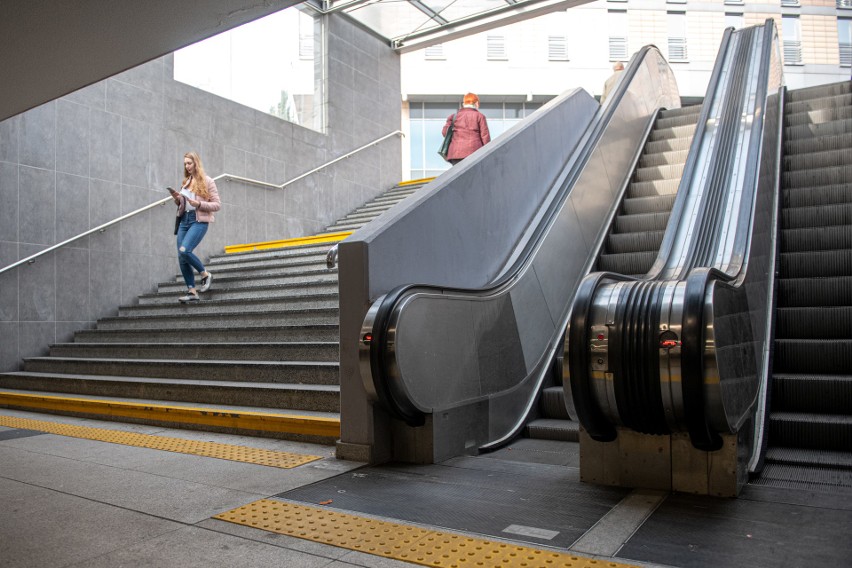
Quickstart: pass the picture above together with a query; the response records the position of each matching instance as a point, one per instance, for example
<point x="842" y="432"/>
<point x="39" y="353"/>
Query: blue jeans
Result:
<point x="189" y="235"/>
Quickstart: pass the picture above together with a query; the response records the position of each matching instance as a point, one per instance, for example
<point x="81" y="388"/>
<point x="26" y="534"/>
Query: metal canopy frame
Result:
<point x="409" y="25"/>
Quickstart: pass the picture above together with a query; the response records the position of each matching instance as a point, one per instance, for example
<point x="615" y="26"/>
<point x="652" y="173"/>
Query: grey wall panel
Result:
<point x="111" y="147"/>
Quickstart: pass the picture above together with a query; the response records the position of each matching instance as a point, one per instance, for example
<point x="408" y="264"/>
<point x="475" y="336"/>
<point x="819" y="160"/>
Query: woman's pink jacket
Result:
<point x="205" y="209"/>
<point x="470" y="133"/>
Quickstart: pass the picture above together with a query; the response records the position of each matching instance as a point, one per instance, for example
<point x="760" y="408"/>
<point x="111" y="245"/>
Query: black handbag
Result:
<point x="445" y="145"/>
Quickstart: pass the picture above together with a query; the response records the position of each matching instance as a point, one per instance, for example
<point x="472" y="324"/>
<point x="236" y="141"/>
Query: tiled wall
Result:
<point x="110" y="148"/>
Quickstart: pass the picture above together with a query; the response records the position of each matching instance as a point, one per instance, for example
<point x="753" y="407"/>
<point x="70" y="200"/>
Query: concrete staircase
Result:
<point x="259" y="355"/>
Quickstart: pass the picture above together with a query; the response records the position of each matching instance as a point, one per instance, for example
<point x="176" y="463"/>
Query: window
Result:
<point x="790" y="3"/>
<point x="677" y="36"/>
<point x="844" y="4"/>
<point x="792" y="35"/>
<point x="557" y="48"/>
<point x="734" y="2"/>
<point x="844" y="40"/>
<point x="236" y="65"/>
<point x="733" y="20"/>
<point x="617" y="35"/>
<point x="435" y="52"/>
<point x="496" y="48"/>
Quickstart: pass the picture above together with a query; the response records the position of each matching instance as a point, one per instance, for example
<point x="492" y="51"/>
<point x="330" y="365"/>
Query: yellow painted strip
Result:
<point x="295" y="242"/>
<point x="413" y="181"/>
<point x="398" y="541"/>
<point x="285" y="460"/>
<point x="266" y="422"/>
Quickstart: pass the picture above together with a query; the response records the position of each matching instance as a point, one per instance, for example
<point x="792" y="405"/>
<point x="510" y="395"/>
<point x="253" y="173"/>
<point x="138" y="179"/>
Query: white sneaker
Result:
<point x="206" y="282"/>
<point x="190" y="297"/>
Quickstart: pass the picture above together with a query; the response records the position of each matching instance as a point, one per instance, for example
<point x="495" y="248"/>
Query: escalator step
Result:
<point x="550" y="429"/>
<point x="814" y="196"/>
<point x="808" y="105"/>
<point x="671" y="120"/>
<point x="814" y="160"/>
<point x="813" y="356"/>
<point x="553" y="403"/>
<point x="816" y="238"/>
<point x="630" y="263"/>
<point x="819" y="92"/>
<point x="802" y="456"/>
<point x="670" y="145"/>
<point x="817" y="216"/>
<point x="802" y="292"/>
<point x="641" y="223"/>
<point x="673" y="171"/>
<point x="820" y="176"/>
<point x="817" y="116"/>
<point x="821" y="144"/>
<point x="651" y="160"/>
<point x="805" y="131"/>
<point x="811" y="478"/>
<point x="830" y="432"/>
<point x="816" y="264"/>
<point x="622" y="243"/>
<point x="675" y="132"/>
<point x="833" y="322"/>
<point x="651" y="188"/>
<point x="655" y="204"/>
<point x="811" y="393"/>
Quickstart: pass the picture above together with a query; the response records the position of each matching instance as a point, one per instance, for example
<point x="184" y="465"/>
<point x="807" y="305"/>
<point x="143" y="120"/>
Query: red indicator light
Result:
<point x="600" y="337"/>
<point x="668" y="343"/>
<point x="368" y="337"/>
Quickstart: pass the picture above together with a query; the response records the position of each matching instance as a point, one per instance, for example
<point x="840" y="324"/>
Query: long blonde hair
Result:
<point x="199" y="179"/>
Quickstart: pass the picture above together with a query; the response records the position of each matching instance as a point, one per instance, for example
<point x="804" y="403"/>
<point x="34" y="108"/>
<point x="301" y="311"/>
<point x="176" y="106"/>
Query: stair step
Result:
<point x="310" y="316"/>
<point x="212" y="334"/>
<point x="279" y="253"/>
<point x="212" y="305"/>
<point x="808" y="478"/>
<point x="816" y="431"/>
<point x="815" y="292"/>
<point x="324" y="398"/>
<point x="255" y="280"/>
<point x="283" y="291"/>
<point x="672" y="171"/>
<point x="289" y="424"/>
<point x="814" y="322"/>
<point x="651" y="188"/>
<point x="244" y="351"/>
<point x="810" y="392"/>
<point x="808" y="457"/>
<point x="238" y="371"/>
<point x="817" y="116"/>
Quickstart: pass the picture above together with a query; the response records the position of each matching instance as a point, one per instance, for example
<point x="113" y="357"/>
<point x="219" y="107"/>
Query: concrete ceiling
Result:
<point x="49" y="48"/>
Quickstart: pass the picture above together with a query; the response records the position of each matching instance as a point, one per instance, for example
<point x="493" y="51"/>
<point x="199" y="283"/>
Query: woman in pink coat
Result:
<point x="470" y="130"/>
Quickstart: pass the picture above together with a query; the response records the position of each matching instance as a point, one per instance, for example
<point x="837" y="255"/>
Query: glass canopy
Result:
<point x="414" y="24"/>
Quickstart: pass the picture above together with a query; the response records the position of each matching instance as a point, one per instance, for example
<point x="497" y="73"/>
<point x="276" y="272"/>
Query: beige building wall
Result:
<point x="819" y="40"/>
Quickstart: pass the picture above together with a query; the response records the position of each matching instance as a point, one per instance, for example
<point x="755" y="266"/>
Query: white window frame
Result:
<point x="557" y="48"/>
<point x="495" y="48"/>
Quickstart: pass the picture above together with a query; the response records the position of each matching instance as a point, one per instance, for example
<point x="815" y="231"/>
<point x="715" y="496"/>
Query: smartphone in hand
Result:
<point x="172" y="191"/>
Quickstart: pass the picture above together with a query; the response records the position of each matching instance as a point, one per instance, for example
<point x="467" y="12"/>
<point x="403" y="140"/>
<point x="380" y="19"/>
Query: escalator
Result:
<point x="810" y="408"/>
<point x="633" y="241"/>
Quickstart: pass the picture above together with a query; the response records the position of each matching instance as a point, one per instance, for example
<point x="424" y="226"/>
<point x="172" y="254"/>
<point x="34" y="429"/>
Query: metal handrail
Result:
<point x="101" y="228"/>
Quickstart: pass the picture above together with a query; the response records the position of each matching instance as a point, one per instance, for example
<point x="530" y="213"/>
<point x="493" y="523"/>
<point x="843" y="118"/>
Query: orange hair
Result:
<point x="470" y="99"/>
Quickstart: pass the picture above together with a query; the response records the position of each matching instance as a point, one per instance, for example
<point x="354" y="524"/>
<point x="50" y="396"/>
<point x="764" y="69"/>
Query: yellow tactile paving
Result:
<point x="413" y="181"/>
<point x="398" y="541"/>
<point x="284" y="243"/>
<point x="230" y="452"/>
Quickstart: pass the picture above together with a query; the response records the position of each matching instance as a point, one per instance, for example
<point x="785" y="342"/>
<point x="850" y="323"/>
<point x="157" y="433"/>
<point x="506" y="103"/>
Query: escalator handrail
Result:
<point x="394" y="399"/>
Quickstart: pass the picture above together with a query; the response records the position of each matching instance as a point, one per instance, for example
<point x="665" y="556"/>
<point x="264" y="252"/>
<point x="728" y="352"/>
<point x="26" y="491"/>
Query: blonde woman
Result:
<point x="197" y="199"/>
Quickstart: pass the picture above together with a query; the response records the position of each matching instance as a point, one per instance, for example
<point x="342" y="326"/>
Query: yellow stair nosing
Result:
<point x="246" y="420"/>
<point x="285" y="243"/>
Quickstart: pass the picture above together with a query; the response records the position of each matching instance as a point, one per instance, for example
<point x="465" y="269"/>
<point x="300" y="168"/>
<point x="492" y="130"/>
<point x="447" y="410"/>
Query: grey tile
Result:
<point x="105" y="206"/>
<point x="105" y="146"/>
<point x="72" y="138"/>
<point x="133" y="102"/>
<point x="10" y="359"/>
<point x="93" y="96"/>
<point x="135" y="277"/>
<point x="72" y="284"/>
<point x="9" y="133"/>
<point x="135" y="231"/>
<point x="34" y="338"/>
<point x="65" y="330"/>
<point x="177" y="500"/>
<point x="9" y="282"/>
<point x="275" y="539"/>
<point x="37" y="206"/>
<point x="104" y="283"/>
<point x="74" y="527"/>
<point x="135" y="155"/>
<point x="148" y="76"/>
<point x="72" y="207"/>
<point x="37" y="287"/>
<point x="197" y="547"/>
<point x="37" y="139"/>
<point x="9" y="201"/>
